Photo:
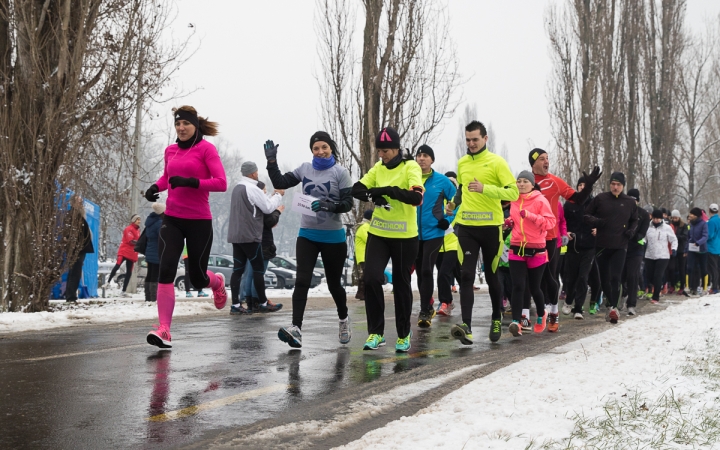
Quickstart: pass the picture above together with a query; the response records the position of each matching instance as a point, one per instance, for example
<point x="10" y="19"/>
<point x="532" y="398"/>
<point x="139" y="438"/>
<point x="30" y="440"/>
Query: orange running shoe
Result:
<point x="553" y="323"/>
<point x="540" y="324"/>
<point x="445" y="309"/>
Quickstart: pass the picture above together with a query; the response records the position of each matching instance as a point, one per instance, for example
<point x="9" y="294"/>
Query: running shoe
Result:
<point x="219" y="294"/>
<point x="631" y="311"/>
<point x="291" y="335"/>
<point x="188" y="294"/>
<point x="671" y="290"/>
<point x="432" y="303"/>
<point x="525" y="324"/>
<point x="579" y="316"/>
<point x="160" y="337"/>
<point x="567" y="309"/>
<point x="553" y="323"/>
<point x="462" y="333"/>
<point x="612" y="315"/>
<point x="344" y="333"/>
<point x="594" y="308"/>
<point x="454" y="289"/>
<point x="373" y="342"/>
<point x="495" y="330"/>
<point x="403" y="345"/>
<point x="238" y="309"/>
<point x="445" y="309"/>
<point x="506" y="304"/>
<point x="425" y="318"/>
<point x="515" y="329"/>
<point x="126" y="295"/>
<point x="664" y="290"/>
<point x="541" y="322"/>
<point x="270" y="307"/>
<point x="202" y="294"/>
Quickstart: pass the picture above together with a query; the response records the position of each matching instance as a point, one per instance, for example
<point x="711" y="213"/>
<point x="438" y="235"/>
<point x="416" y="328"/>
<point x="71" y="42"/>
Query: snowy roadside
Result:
<point x="653" y="382"/>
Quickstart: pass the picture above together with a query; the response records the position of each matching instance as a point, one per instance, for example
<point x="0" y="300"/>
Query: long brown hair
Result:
<point x="207" y="128"/>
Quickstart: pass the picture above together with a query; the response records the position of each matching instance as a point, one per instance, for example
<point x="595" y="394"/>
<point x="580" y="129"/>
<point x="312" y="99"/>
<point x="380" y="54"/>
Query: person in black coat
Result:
<point x="635" y="255"/>
<point x="85" y="244"/>
<point x="153" y="222"/>
<point x="677" y="266"/>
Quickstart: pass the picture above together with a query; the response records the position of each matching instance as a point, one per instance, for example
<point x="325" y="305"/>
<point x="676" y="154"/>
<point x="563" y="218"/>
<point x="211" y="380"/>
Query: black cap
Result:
<point x="367" y="215"/>
<point x="387" y="138"/>
<point x="619" y="177"/>
<point x="697" y="212"/>
<point x="657" y="214"/>
<point x="634" y="193"/>
<point x="427" y="150"/>
<point x="324" y="137"/>
<point x="534" y="155"/>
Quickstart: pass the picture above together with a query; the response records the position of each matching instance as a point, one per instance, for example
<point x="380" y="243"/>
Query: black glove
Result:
<point x="629" y="234"/>
<point x="270" y="150"/>
<point x="443" y="224"/>
<point x="379" y="201"/>
<point x="379" y="191"/>
<point x="176" y="182"/>
<point x="151" y="194"/>
<point x="593" y="177"/>
<point x="321" y="205"/>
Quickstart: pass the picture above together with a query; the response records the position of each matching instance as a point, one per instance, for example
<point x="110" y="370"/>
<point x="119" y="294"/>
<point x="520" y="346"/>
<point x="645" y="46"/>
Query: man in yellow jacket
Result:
<point x="485" y="180"/>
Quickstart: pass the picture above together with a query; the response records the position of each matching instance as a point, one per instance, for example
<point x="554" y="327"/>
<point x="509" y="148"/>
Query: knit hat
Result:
<point x="159" y="208"/>
<point x="387" y="138"/>
<point x="697" y="212"/>
<point x="534" y="155"/>
<point x="649" y="209"/>
<point x="619" y="177"/>
<point x="634" y="193"/>
<point x="582" y="180"/>
<point x="324" y="137"/>
<point x="367" y="215"/>
<point x="675" y="213"/>
<point x="657" y="214"/>
<point x="526" y="174"/>
<point x="427" y="150"/>
<point x="133" y="218"/>
<point x="248" y="168"/>
<point x="713" y="207"/>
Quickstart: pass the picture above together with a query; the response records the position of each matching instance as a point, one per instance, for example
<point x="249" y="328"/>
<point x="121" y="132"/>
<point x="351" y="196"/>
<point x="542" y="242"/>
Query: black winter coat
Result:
<point x="681" y="233"/>
<point x="268" y="240"/>
<point x="616" y="219"/>
<point x="574" y="214"/>
<point x="86" y="237"/>
<point x="634" y="248"/>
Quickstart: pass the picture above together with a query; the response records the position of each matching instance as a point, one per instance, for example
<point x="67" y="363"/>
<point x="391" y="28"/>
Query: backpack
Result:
<point x="141" y="244"/>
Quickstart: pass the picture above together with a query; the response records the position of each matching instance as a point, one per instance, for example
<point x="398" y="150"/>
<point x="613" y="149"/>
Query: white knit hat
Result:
<point x="159" y="208"/>
<point x="675" y="213"/>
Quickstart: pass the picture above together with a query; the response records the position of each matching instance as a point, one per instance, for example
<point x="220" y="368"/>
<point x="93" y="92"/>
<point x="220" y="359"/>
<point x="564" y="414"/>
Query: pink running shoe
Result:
<point x="160" y="337"/>
<point x="219" y="294"/>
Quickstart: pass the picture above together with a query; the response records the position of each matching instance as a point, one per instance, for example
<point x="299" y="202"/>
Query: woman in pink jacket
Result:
<point x="192" y="170"/>
<point x="530" y="218"/>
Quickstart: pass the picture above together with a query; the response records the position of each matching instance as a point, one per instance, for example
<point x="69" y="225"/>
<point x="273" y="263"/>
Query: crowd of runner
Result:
<point x="528" y="243"/>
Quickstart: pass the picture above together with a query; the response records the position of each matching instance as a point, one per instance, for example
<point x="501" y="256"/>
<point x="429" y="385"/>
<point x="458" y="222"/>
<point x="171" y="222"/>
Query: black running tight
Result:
<point x="128" y="271"/>
<point x="611" y="262"/>
<point x="424" y="264"/>
<point x="175" y="233"/>
<point x="521" y="275"/>
<point x="472" y="241"/>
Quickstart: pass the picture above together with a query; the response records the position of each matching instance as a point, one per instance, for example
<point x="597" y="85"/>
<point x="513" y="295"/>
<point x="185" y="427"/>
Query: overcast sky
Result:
<point x="255" y="71"/>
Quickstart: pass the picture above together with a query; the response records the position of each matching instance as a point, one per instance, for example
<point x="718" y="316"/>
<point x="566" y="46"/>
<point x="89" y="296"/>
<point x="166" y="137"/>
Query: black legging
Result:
<point x="577" y="268"/>
<point x="472" y="241"/>
<point x="594" y="283"/>
<point x="128" y="271"/>
<point x="153" y="273"/>
<point x="242" y="253"/>
<point x="520" y="273"/>
<point x="676" y="268"/>
<point x="403" y="253"/>
<point x="175" y="234"/>
<point x="631" y="277"/>
<point x="448" y="264"/>
<point x="549" y="282"/>
<point x="424" y="265"/>
<point x="73" y="278"/>
<point x="333" y="258"/>
<point x="611" y="262"/>
<point x="655" y="269"/>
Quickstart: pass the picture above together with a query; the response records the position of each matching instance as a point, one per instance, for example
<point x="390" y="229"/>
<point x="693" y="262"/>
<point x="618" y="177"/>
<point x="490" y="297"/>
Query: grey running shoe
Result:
<point x="631" y="311"/>
<point x="579" y="316"/>
<point x="344" y="333"/>
<point x="291" y="335"/>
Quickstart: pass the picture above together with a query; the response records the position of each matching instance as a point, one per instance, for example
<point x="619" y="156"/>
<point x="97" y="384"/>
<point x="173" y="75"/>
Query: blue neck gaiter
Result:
<point x="323" y="163"/>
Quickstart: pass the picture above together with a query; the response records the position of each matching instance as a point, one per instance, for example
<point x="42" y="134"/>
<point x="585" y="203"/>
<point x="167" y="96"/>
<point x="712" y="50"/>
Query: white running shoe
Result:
<point x="566" y="309"/>
<point x="344" y="333"/>
<point x="631" y="311"/>
<point x="579" y="316"/>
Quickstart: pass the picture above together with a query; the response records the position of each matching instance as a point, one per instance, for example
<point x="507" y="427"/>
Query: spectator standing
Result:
<point x="153" y="222"/>
<point x="714" y="248"/>
<point x="84" y="243"/>
<point x="126" y="252"/>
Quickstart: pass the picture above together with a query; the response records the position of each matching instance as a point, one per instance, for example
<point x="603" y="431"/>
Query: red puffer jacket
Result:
<point x="127" y="247"/>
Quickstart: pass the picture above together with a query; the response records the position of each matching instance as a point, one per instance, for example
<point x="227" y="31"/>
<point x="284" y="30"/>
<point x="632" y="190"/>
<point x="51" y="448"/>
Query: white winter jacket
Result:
<point x="657" y="239"/>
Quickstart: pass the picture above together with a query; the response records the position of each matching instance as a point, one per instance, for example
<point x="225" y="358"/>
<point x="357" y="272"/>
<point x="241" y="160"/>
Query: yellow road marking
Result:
<point x="192" y="410"/>
<point x="409" y="356"/>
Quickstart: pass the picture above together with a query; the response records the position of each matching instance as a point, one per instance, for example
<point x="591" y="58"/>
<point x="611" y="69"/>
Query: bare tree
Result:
<point x="469" y="114"/>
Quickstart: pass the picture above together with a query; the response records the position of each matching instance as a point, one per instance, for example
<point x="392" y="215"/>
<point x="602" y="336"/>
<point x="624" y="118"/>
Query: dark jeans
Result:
<point x="333" y="257"/>
<point x="655" y="269"/>
<point x="610" y="263"/>
<point x="424" y="265"/>
<point x="242" y="253"/>
<point x="472" y="241"/>
<point x="520" y="275"/>
<point x="403" y="253"/>
<point x="247" y="283"/>
<point x="128" y="271"/>
<point x="631" y="277"/>
<point x="448" y="272"/>
<point x="577" y="269"/>
<point x="697" y="269"/>
<point x="73" y="278"/>
<point x="550" y="282"/>
<point x="175" y="234"/>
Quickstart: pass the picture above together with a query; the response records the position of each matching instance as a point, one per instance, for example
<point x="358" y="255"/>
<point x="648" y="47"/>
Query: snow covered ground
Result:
<point x="653" y="382"/>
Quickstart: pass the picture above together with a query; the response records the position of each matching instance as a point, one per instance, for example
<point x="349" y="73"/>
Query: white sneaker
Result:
<point x="344" y="333"/>
<point x="566" y="309"/>
<point x="631" y="311"/>
<point x="578" y="316"/>
<point x="291" y="335"/>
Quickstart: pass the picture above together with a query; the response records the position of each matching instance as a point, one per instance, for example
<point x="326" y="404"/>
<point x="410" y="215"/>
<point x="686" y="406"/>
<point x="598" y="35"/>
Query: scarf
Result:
<point x="323" y="163"/>
<point x="190" y="142"/>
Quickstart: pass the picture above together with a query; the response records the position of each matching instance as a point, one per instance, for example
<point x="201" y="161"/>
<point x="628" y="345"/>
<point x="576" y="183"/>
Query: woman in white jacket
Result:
<point x="661" y="244"/>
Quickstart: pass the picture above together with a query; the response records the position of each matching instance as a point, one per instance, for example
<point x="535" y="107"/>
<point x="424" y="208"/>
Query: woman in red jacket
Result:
<point x="127" y="252"/>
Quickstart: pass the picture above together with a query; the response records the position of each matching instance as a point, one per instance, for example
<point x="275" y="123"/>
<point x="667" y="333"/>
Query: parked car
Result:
<point x="290" y="264"/>
<point x="224" y="264"/>
<point x="285" y="277"/>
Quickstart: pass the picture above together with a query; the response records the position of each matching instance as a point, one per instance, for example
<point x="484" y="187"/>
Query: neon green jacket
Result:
<point x="361" y="235"/>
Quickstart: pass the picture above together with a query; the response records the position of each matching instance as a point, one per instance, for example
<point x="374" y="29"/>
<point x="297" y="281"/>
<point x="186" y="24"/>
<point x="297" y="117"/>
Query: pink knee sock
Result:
<point x="213" y="280"/>
<point x="165" y="303"/>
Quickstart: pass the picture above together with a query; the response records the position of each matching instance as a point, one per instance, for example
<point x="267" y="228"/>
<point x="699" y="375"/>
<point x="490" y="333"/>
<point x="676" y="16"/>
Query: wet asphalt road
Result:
<point x="228" y="381"/>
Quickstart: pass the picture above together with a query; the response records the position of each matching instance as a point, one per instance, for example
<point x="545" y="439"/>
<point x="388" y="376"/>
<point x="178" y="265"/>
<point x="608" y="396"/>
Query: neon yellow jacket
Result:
<point x="361" y="235"/>
<point x="483" y="209"/>
<point x="400" y="221"/>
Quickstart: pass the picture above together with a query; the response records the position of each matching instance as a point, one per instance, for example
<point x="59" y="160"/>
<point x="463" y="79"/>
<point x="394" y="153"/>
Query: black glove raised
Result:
<point x="270" y="150"/>
<point x="176" y="182"/>
<point x="151" y="194"/>
<point x="443" y="224"/>
<point x="593" y="177"/>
